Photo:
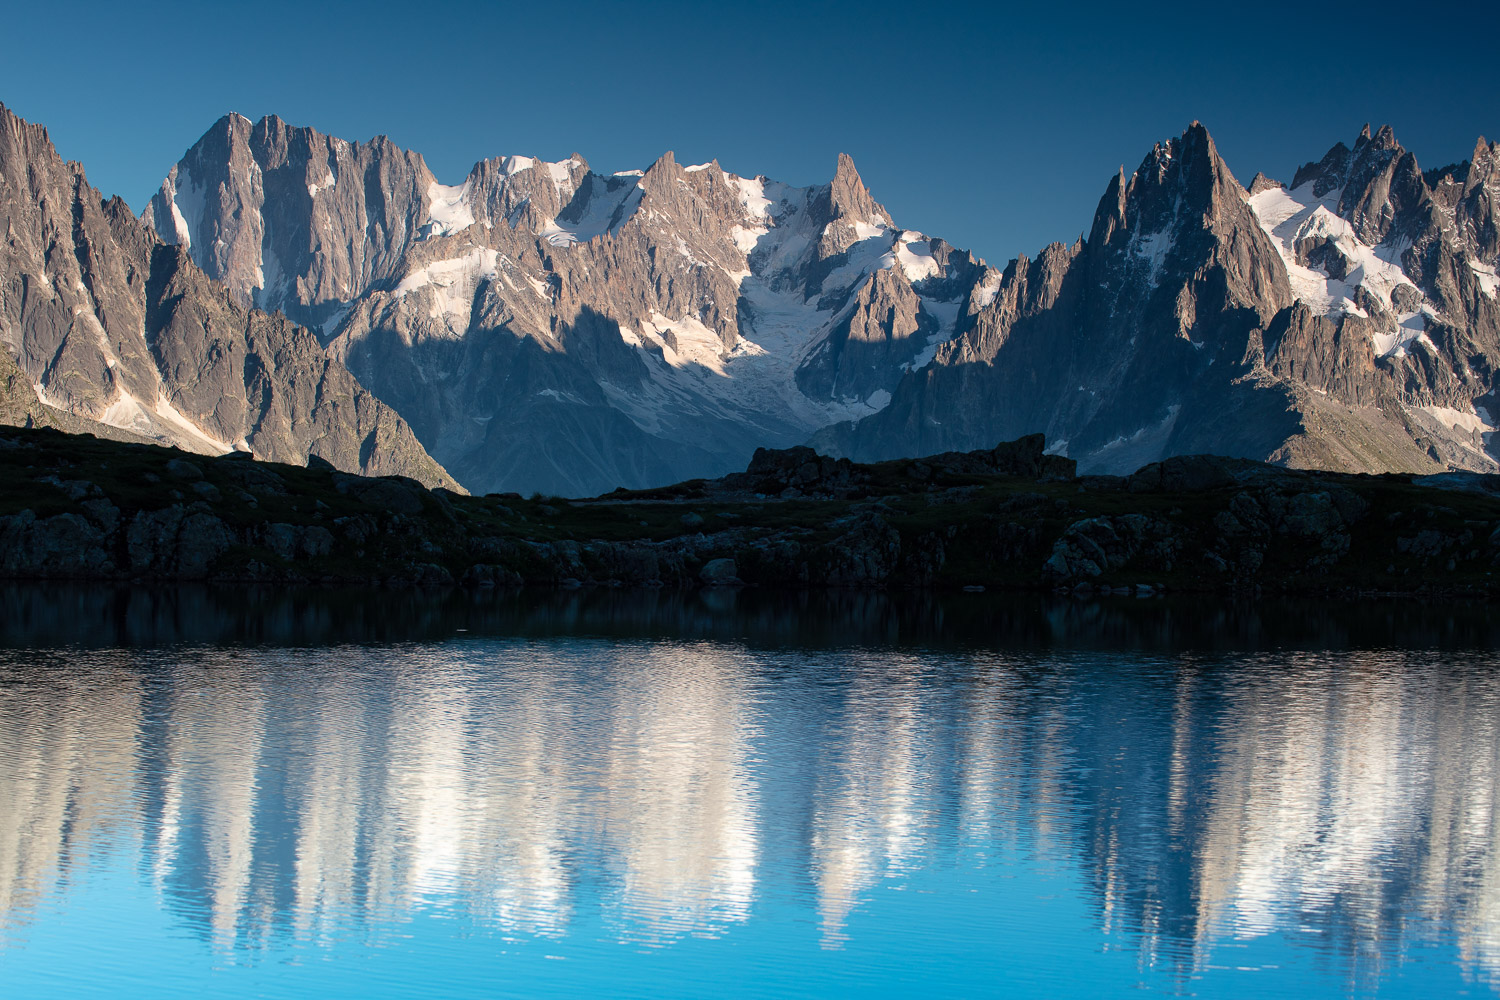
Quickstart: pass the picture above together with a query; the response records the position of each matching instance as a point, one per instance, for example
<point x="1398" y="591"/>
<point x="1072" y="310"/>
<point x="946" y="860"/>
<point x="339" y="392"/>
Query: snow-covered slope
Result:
<point x="545" y="327"/>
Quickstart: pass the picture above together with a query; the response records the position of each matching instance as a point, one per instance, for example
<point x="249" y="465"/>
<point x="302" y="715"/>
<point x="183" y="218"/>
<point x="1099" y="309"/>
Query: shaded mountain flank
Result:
<point x="107" y="330"/>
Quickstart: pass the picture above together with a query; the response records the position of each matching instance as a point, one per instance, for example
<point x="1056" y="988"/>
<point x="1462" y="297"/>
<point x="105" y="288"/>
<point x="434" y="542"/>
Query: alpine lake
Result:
<point x="729" y="793"/>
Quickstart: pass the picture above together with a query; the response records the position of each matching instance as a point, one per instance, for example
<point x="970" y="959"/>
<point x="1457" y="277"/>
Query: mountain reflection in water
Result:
<point x="673" y="787"/>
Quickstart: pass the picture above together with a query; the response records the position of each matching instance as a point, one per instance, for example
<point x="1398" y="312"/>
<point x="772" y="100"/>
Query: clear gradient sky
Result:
<point x="994" y="127"/>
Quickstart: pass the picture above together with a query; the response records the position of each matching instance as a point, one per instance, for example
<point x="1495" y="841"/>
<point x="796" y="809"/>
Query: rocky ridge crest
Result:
<point x="118" y="335"/>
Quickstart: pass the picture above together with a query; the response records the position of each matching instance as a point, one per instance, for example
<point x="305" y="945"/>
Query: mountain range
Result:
<point x="543" y="327"/>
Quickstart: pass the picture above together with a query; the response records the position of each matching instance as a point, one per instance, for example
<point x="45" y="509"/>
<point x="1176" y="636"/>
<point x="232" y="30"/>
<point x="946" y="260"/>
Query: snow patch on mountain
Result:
<point x="1299" y="218"/>
<point x="1489" y="277"/>
<point x="451" y="282"/>
<point x="1410" y="328"/>
<point x="185" y="202"/>
<point x="696" y="344"/>
<point x="130" y="414"/>
<point x="448" y="210"/>
<point x="914" y="255"/>
<point x="752" y="195"/>
<point x="562" y="177"/>
<point x="984" y="293"/>
<point x="946" y="315"/>
<point x="609" y="206"/>
<point x="752" y="384"/>
<point x="746" y="239"/>
<point x="1152" y="249"/>
<point x="1129" y="452"/>
<point x="1479" y="420"/>
<point x="874" y="252"/>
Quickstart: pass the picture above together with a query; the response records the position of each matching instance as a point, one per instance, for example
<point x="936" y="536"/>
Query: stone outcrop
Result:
<point x="1008" y="517"/>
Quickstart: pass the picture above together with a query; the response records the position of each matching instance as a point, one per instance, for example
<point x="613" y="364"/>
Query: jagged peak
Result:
<point x="1336" y="166"/>
<point x="1185" y="171"/>
<point x="712" y="166"/>
<point x="16" y="124"/>
<point x="1383" y="140"/>
<point x="1263" y="183"/>
<point x="846" y="170"/>
<point x="1336" y="159"/>
<point x="1486" y="155"/>
<point x="847" y="195"/>
<point x="1194" y="148"/>
<point x="661" y="175"/>
<point x="666" y="163"/>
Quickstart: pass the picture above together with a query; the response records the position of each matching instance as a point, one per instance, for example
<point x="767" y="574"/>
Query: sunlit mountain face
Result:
<point x="1209" y="820"/>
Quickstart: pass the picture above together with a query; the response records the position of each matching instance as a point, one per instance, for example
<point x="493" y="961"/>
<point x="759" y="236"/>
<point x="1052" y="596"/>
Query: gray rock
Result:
<point x="172" y="541"/>
<point x="485" y="575"/>
<point x="1091" y="547"/>
<point x="63" y="546"/>
<point x="719" y="572"/>
<point x="282" y="539"/>
<point x="401" y="497"/>
<point x="867" y="553"/>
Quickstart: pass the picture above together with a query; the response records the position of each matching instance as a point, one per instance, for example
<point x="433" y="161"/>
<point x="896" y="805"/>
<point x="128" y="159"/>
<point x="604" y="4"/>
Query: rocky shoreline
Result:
<point x="77" y="508"/>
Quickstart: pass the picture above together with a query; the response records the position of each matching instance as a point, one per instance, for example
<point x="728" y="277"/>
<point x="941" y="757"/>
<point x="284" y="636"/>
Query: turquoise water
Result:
<point x="595" y="796"/>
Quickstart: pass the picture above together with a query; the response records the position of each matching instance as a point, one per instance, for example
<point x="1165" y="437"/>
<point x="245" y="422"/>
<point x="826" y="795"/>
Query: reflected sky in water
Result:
<point x="499" y="815"/>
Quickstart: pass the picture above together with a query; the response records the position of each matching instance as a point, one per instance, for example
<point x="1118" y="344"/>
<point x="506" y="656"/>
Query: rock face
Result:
<point x="108" y="331"/>
<point x="544" y="327"/>
<point x="547" y="328"/>
<point x="1350" y="322"/>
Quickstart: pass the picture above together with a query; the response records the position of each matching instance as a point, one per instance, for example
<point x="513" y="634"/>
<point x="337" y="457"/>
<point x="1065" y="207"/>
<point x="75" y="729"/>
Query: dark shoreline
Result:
<point x="1009" y="519"/>
<point x="65" y="615"/>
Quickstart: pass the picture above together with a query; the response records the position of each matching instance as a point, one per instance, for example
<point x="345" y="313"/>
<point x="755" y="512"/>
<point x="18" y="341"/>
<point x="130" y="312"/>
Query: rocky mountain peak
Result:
<point x="848" y="197"/>
<point x="665" y="166"/>
<point x="1180" y="180"/>
<point x="19" y="129"/>
<point x="639" y="327"/>
<point x="119" y="333"/>
<point x="291" y="219"/>
<point x="694" y="203"/>
<point x="1263" y="183"/>
<point x="1342" y="167"/>
<point x="1326" y="174"/>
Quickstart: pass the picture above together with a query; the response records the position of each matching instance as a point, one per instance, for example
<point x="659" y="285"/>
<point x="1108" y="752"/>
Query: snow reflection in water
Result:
<point x="655" y="791"/>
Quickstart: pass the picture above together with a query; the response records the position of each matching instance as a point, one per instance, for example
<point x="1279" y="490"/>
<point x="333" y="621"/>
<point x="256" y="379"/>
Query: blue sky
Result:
<point x="993" y="127"/>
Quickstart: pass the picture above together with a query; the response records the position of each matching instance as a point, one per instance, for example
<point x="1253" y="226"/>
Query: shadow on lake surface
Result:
<point x="739" y="794"/>
<point x="46" y="615"/>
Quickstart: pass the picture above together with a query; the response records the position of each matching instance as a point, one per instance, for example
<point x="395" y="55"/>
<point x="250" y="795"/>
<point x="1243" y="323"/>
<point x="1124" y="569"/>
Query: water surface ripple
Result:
<point x="559" y="812"/>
